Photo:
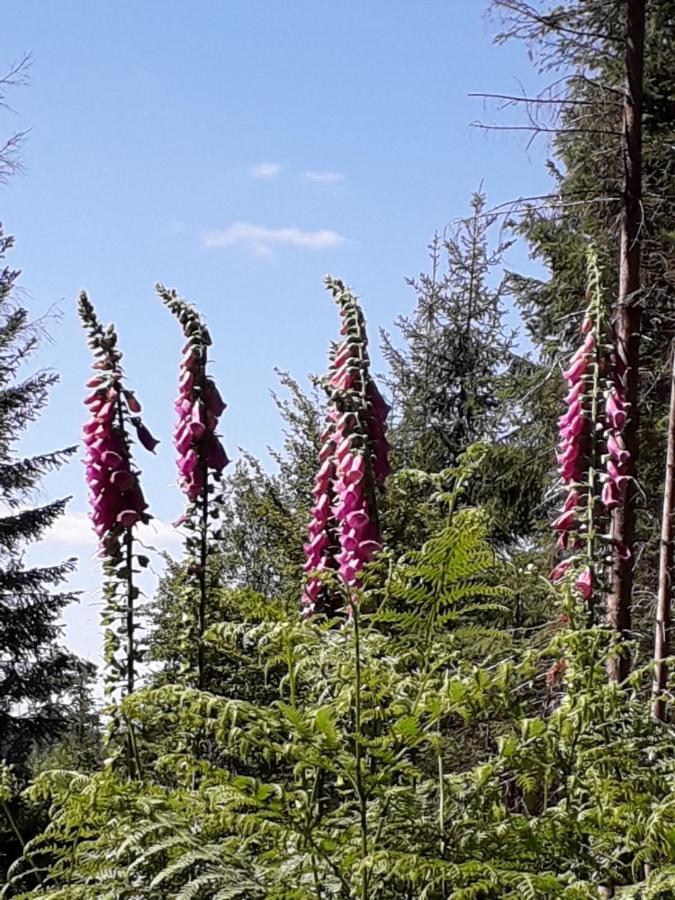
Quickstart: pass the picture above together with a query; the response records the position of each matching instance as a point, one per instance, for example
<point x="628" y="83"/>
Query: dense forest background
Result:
<point x="427" y="655"/>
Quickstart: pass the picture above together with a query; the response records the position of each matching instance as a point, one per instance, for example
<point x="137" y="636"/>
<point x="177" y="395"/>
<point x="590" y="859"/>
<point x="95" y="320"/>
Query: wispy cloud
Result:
<point x="262" y="239"/>
<point x="324" y="177"/>
<point x="265" y="170"/>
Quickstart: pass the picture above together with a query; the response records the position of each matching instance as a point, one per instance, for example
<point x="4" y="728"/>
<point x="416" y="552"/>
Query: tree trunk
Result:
<point x="662" y="635"/>
<point x="628" y="327"/>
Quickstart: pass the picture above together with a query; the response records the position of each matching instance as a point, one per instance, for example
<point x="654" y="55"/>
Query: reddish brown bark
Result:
<point x="628" y="326"/>
<point x="662" y="631"/>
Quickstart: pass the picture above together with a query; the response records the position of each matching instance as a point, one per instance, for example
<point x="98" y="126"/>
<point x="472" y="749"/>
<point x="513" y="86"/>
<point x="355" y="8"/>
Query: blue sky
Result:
<point x="237" y="151"/>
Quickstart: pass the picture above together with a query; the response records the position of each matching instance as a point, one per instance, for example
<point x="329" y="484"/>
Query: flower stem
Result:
<point x="130" y="624"/>
<point x="12" y="822"/>
<point x="203" y="561"/>
<point x="360" y="789"/>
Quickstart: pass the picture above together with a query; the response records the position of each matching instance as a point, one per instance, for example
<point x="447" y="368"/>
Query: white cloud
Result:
<point x="265" y="170"/>
<point x="74" y="529"/>
<point x="324" y="177"/>
<point x="261" y="239"/>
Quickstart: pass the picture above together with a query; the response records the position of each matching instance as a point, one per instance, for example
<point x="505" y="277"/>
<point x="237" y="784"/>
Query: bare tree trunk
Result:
<point x="662" y="634"/>
<point x="628" y="320"/>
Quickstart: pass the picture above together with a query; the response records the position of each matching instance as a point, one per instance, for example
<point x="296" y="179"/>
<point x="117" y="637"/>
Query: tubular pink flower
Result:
<point x="616" y="411"/>
<point x="353" y="463"/>
<point x="615" y="487"/>
<point x="111" y="459"/>
<point x="377" y="433"/>
<point x="576" y="371"/>
<point x="617" y="454"/>
<point x="616" y="474"/>
<point x="115" y="497"/>
<point x="128" y="518"/>
<point x="575" y="392"/>
<point x="215" y="405"/>
<point x="559" y="571"/>
<point x="572" y="501"/>
<point x="199" y="406"/>
<point x="584" y="583"/>
<point x="122" y="479"/>
<point x="132" y="402"/>
<point x="321" y="549"/>
<point x="567" y="521"/>
<point x="578" y="451"/>
<point x="214" y="453"/>
<point x="622" y="551"/>
<point x="144" y="436"/>
<point x="613" y="493"/>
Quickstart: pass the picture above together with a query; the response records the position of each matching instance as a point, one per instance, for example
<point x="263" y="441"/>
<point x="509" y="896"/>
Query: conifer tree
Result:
<point x="587" y="46"/>
<point x="445" y="380"/>
<point x="37" y="674"/>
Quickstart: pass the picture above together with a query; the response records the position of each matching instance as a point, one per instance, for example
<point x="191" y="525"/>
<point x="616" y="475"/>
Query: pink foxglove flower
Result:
<point x="198" y="406"/>
<point x="584" y="583"/>
<point x="115" y="495"/>
<point x="200" y="460"/>
<point x="559" y="571"/>
<point x="144" y="436"/>
<point x="577" y="446"/>
<point x="322" y="545"/>
<point x="591" y="434"/>
<point x="616" y="483"/>
<point x="116" y="499"/>
<point x="354" y="462"/>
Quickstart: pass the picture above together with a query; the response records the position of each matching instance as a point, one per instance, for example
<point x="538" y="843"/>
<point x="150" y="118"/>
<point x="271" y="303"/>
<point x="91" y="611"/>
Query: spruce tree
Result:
<point x="37" y="674"/>
<point x="445" y="380"/>
<point x="456" y="379"/>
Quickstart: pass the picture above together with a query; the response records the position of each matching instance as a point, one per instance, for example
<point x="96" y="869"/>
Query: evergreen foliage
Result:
<point x="446" y="381"/>
<point x="580" y="44"/>
<point x="38" y="675"/>
<point x="457" y="377"/>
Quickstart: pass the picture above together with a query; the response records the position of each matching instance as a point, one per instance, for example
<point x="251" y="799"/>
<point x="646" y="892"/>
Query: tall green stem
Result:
<point x="358" y="753"/>
<point x="598" y="320"/>
<point x="133" y="758"/>
<point x="129" y="610"/>
<point x="203" y="564"/>
<point x="12" y="823"/>
<point x="203" y="548"/>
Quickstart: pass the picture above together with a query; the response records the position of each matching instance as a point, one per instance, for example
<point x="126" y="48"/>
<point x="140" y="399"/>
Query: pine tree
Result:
<point x="38" y="675"/>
